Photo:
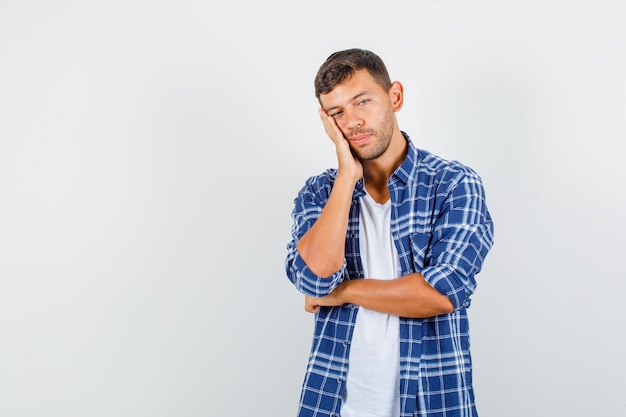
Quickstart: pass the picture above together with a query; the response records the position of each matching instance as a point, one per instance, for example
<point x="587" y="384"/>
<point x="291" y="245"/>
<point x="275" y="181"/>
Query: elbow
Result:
<point x="447" y="306"/>
<point x="322" y="266"/>
<point x="442" y="305"/>
<point x="438" y="305"/>
<point x="325" y="271"/>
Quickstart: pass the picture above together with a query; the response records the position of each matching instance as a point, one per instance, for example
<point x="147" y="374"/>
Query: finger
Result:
<point x="330" y="126"/>
<point x="310" y="304"/>
<point x="327" y="121"/>
<point x="311" y="308"/>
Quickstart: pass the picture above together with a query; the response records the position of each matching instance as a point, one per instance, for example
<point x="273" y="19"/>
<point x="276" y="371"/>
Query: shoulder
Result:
<point x="321" y="180"/>
<point x="443" y="176"/>
<point x="318" y="186"/>
<point x="423" y="166"/>
<point x="438" y="166"/>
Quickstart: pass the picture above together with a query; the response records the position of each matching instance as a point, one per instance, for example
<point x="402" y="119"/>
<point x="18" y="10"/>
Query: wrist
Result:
<point x="342" y="292"/>
<point x="349" y="179"/>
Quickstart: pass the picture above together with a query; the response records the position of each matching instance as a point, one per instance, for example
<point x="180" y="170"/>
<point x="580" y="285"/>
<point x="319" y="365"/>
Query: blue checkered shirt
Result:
<point x="442" y="229"/>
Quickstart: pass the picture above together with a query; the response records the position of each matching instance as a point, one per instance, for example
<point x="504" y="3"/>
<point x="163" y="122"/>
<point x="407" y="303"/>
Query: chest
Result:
<point x="411" y="220"/>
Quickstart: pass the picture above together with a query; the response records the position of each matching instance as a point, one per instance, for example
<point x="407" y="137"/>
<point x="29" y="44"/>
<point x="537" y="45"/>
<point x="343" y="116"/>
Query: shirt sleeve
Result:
<point x="308" y="206"/>
<point x="462" y="237"/>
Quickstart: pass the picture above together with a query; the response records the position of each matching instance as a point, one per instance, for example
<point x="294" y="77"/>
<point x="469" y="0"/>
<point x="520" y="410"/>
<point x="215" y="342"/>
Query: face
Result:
<point x="364" y="112"/>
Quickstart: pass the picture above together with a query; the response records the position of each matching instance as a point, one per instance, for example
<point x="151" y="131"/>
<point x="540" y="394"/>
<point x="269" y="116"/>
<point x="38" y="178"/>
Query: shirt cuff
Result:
<point x="443" y="278"/>
<point x="311" y="284"/>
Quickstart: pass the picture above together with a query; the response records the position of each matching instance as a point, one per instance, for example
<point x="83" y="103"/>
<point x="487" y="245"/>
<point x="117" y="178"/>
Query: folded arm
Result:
<point x="409" y="296"/>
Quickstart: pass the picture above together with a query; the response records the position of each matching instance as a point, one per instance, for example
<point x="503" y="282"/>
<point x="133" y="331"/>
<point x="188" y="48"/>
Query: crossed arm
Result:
<point x="322" y="248"/>
<point x="408" y="296"/>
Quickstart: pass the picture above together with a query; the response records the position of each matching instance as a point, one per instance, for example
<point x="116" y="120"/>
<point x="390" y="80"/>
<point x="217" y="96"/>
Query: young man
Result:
<point x="385" y="249"/>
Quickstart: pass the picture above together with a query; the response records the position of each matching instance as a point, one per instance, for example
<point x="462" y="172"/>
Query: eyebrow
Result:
<point x="362" y="93"/>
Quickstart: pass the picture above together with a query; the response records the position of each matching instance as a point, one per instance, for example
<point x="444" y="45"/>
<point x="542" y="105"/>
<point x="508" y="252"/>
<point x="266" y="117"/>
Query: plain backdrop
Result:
<point x="150" y="152"/>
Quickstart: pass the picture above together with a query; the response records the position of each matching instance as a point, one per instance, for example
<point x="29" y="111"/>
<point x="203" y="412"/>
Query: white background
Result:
<point x="150" y="152"/>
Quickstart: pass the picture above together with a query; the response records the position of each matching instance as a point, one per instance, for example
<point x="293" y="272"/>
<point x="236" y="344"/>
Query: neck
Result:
<point x="377" y="171"/>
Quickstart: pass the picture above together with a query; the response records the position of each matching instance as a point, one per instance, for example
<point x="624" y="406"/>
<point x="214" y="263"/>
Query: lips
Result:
<point x="360" y="139"/>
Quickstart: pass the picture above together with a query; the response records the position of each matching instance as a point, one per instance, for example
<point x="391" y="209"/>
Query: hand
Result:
<point x="348" y="164"/>
<point x="335" y="298"/>
<point x="310" y="304"/>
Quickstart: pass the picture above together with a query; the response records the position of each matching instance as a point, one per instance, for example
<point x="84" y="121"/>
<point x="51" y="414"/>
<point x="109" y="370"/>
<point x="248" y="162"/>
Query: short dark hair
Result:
<point x="341" y="66"/>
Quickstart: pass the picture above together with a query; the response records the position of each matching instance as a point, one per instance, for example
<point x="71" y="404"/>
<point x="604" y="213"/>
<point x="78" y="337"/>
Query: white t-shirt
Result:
<point x="372" y="387"/>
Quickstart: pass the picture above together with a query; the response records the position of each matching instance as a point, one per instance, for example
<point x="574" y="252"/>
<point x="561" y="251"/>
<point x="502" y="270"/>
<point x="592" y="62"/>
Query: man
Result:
<point x="385" y="249"/>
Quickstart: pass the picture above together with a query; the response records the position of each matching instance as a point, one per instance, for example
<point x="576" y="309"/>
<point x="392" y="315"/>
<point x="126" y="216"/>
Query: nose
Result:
<point x="355" y="122"/>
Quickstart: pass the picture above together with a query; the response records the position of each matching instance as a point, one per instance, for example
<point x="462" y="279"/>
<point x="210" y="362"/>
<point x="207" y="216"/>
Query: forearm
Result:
<point x="408" y="296"/>
<point x="323" y="247"/>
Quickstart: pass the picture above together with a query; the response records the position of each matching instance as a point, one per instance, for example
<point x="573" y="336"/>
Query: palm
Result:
<point x="348" y="164"/>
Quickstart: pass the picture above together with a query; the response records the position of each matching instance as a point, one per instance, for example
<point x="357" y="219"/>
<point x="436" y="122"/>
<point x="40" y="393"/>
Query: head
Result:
<point x="353" y="86"/>
<point x="342" y="65"/>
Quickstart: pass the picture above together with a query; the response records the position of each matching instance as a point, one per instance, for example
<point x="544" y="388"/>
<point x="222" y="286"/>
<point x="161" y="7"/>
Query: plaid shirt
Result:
<point x="441" y="228"/>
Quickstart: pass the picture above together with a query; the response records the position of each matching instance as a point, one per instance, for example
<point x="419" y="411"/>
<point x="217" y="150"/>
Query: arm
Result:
<point x="322" y="247"/>
<point x="463" y="234"/>
<point x="408" y="296"/>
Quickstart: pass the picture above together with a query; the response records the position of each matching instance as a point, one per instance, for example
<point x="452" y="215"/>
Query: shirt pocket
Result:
<point x="420" y="250"/>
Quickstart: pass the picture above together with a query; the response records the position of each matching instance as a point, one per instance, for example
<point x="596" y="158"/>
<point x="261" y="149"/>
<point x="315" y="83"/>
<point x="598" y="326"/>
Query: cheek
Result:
<point x="343" y="125"/>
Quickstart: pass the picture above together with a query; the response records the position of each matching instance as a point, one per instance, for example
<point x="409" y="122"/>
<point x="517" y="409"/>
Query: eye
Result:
<point x="336" y="114"/>
<point x="363" y="102"/>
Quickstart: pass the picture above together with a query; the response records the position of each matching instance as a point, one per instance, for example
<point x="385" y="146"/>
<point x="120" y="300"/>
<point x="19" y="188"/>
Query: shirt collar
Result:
<point x="405" y="171"/>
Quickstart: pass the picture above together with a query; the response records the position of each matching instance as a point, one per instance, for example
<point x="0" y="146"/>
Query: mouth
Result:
<point x="360" y="139"/>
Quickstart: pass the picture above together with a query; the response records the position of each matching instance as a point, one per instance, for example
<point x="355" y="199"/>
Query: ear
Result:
<point x="396" y="94"/>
